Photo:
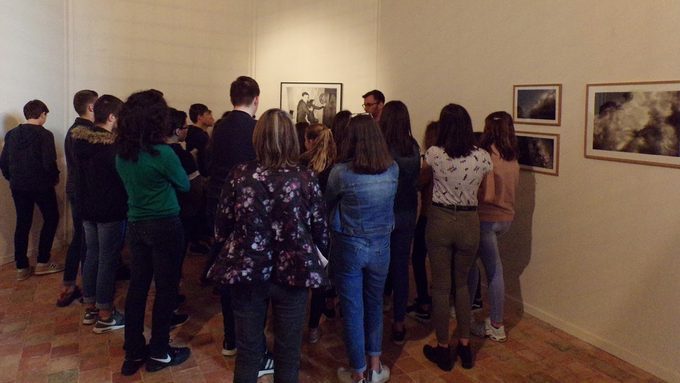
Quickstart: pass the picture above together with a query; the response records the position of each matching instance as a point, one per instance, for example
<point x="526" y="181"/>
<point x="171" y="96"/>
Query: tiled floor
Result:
<point x="42" y="343"/>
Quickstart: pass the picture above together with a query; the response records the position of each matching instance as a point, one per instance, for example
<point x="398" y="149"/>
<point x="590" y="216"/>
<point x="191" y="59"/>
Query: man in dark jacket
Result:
<point x="29" y="162"/>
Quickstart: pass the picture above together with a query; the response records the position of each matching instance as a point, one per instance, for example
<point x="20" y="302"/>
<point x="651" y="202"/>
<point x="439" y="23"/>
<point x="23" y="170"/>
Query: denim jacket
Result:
<point x="361" y="204"/>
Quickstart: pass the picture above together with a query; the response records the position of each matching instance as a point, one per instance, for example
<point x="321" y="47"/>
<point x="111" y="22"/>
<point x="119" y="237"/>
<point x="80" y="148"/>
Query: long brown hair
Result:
<point x="322" y="154"/>
<point x="455" y="131"/>
<point x="395" y="124"/>
<point x="499" y="131"/>
<point x="364" y="146"/>
<point x="275" y="141"/>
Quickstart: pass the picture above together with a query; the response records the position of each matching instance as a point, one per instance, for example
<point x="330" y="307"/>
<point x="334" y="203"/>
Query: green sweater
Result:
<point x="152" y="183"/>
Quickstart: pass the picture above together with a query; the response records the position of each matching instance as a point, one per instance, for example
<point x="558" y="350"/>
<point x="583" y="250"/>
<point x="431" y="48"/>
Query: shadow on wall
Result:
<point x="9" y="122"/>
<point x="515" y="246"/>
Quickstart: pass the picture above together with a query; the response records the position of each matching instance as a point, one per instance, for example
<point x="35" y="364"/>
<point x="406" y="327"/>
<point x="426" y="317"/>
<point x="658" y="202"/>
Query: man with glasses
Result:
<point x="373" y="103"/>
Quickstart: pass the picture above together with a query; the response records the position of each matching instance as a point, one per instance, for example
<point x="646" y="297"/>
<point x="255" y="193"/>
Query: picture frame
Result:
<point x="311" y="102"/>
<point x="537" y="104"/>
<point x="539" y="152"/>
<point x="634" y="122"/>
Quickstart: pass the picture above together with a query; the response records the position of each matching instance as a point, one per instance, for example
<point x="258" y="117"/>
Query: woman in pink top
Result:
<point x="496" y="212"/>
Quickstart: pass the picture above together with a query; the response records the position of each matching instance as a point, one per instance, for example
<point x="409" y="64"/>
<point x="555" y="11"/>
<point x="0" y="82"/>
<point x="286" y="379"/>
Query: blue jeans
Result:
<point x="250" y="303"/>
<point x="360" y="267"/>
<point x="156" y="253"/>
<point x="103" y="242"/>
<point x="491" y="259"/>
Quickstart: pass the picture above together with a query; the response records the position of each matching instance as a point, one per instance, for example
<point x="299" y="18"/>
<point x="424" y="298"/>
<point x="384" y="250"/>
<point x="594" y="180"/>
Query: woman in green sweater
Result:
<point x="152" y="175"/>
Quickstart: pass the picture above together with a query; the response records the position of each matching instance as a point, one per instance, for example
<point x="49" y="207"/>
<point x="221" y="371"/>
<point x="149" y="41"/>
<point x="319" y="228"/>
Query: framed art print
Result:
<point x="539" y="152"/>
<point x="311" y="102"/>
<point x="537" y="104"/>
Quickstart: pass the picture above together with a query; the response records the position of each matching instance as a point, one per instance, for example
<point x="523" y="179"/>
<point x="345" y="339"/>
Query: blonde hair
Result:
<point x="275" y="140"/>
<point x="322" y="154"/>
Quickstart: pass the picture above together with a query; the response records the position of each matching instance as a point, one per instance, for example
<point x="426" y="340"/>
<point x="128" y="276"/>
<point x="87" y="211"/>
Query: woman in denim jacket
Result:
<point x="360" y="195"/>
<point x="271" y="219"/>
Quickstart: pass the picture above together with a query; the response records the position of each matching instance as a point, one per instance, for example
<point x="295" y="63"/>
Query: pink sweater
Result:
<point x="497" y="191"/>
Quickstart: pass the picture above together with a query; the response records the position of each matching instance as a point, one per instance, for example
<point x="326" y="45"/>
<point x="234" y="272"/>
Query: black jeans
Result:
<point x="400" y="248"/>
<point x="418" y="262"/>
<point x="24" y="201"/>
<point x="75" y="256"/>
<point x="156" y="252"/>
<point x="227" y="315"/>
<point x="250" y="307"/>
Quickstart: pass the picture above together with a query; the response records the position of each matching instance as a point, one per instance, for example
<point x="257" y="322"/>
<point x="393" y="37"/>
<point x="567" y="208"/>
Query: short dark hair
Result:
<point x="455" y="131"/>
<point x="305" y="93"/>
<point x="142" y="123"/>
<point x="176" y="120"/>
<point x="34" y="108"/>
<point x="197" y="110"/>
<point x="243" y="91"/>
<point x="364" y="146"/>
<point x="105" y="106"/>
<point x="378" y="95"/>
<point x="82" y="99"/>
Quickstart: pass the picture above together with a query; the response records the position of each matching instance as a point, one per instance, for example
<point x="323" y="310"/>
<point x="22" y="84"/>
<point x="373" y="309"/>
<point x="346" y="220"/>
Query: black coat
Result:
<point x="29" y="159"/>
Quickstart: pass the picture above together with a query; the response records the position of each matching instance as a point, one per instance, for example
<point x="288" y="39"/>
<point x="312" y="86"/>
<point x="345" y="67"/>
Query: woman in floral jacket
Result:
<point x="271" y="218"/>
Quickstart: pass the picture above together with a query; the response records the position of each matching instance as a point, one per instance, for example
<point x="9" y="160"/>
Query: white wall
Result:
<point x="593" y="251"/>
<point x="32" y="66"/>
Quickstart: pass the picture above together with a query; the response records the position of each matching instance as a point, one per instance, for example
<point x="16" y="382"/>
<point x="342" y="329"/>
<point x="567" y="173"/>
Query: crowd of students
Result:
<point x="281" y="199"/>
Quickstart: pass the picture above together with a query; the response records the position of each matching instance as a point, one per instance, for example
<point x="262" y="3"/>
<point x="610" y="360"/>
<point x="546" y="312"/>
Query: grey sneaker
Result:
<point x="48" y="268"/>
<point x="115" y="322"/>
<point x="381" y="376"/>
<point x="91" y="314"/>
<point x="493" y="333"/>
<point x="24" y="274"/>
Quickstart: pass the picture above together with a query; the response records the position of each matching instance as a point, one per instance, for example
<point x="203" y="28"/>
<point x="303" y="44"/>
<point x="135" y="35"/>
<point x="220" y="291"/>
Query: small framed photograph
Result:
<point x="537" y="104"/>
<point x="311" y="102"/>
<point x="635" y="122"/>
<point x="539" y="152"/>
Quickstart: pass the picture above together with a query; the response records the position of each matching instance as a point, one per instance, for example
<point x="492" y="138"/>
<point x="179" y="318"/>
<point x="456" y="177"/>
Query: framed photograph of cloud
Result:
<point x="311" y="102"/>
<point x="539" y="104"/>
<point x="636" y="122"/>
<point x="539" y="152"/>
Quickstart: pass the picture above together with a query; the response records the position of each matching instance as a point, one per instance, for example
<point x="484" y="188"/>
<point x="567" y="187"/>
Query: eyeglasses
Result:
<point x="361" y="114"/>
<point x="369" y="104"/>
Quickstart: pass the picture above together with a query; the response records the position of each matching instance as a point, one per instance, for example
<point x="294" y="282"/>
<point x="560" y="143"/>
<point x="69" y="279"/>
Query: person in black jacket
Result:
<point x="29" y="162"/>
<point x="102" y="201"/>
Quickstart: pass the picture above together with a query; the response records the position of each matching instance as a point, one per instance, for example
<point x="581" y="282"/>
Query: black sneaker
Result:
<point x="417" y="312"/>
<point x="178" y="320"/>
<point x="267" y="366"/>
<point x="465" y="355"/>
<point x="228" y="348"/>
<point x="115" y="322"/>
<point x="441" y="356"/>
<point x="175" y="356"/>
<point x="131" y="366"/>
<point x="399" y="337"/>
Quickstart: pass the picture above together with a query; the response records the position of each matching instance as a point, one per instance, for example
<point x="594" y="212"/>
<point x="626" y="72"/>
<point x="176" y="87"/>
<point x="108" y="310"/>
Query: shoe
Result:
<point x="314" y="335"/>
<point x="345" y="376"/>
<point x="91" y="314"/>
<point x="452" y="312"/>
<point x="379" y="376"/>
<point x="417" y="312"/>
<point x="48" y="268"/>
<point x="441" y="356"/>
<point x="228" y="349"/>
<point x="66" y="298"/>
<point x="115" y="322"/>
<point x="123" y="273"/>
<point x="178" y="320"/>
<point x="175" y="356"/>
<point x="267" y="367"/>
<point x="495" y="334"/>
<point x="24" y="274"/>
<point x="399" y="337"/>
<point x="476" y="306"/>
<point x="465" y="355"/>
<point x="477" y="328"/>
<point x="199" y="248"/>
<point x="130" y="367"/>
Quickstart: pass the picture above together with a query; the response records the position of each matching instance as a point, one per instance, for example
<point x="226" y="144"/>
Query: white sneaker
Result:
<point x="379" y="377"/>
<point x="495" y="334"/>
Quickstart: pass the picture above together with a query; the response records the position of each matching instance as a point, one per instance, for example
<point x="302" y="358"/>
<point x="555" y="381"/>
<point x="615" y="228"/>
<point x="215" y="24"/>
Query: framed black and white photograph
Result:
<point x="537" y="104"/>
<point x="636" y="122"/>
<point x="312" y="102"/>
<point x="539" y="152"/>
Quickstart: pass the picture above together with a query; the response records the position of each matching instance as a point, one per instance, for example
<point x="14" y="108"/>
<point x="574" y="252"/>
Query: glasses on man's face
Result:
<point x="369" y="104"/>
<point x="361" y="114"/>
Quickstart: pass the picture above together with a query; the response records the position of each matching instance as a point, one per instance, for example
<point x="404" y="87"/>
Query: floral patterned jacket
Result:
<point x="269" y="221"/>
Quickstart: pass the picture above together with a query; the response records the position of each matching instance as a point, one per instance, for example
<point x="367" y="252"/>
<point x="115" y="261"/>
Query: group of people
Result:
<point x="334" y="209"/>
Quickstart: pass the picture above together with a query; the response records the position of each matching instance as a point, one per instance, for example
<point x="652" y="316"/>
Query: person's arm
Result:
<point x="319" y="224"/>
<point x="174" y="171"/>
<point x="224" y="216"/>
<point x="487" y="189"/>
<point x="49" y="157"/>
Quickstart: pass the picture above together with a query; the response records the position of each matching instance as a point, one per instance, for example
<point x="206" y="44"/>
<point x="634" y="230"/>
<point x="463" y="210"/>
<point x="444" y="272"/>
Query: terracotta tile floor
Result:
<point x="42" y="343"/>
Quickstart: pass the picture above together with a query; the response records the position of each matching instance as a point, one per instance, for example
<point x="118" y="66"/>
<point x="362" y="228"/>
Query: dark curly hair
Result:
<point x="142" y="123"/>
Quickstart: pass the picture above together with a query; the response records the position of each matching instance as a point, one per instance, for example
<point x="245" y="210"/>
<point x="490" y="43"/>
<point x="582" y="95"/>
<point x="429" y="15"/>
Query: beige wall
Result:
<point x="593" y="251"/>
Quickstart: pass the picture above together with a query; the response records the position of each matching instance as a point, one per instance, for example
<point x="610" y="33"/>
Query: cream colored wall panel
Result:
<point x="592" y="251"/>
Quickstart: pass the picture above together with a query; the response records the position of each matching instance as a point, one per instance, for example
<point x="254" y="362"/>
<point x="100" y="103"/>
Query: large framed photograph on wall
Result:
<point x="539" y="104"/>
<point x="636" y="122"/>
<point x="312" y="102"/>
<point x="539" y="152"/>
